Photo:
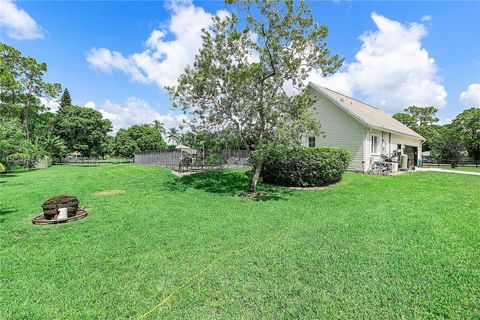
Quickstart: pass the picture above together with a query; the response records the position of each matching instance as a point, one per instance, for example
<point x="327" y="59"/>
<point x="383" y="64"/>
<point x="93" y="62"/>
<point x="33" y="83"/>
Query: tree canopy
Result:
<point x="65" y="100"/>
<point x="21" y="86"/>
<point x="467" y="124"/>
<point x="239" y="79"/>
<point x="137" y="138"/>
<point x="421" y="120"/>
<point x="174" y="136"/>
<point x="447" y="146"/>
<point x="84" y="130"/>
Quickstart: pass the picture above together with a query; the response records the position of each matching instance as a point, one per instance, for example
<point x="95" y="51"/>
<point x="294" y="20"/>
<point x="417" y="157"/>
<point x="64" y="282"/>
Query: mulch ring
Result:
<point x="81" y="213"/>
<point x="109" y="192"/>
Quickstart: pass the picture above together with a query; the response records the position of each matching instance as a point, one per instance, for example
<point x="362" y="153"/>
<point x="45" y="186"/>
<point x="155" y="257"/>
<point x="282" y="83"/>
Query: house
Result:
<point x="366" y="131"/>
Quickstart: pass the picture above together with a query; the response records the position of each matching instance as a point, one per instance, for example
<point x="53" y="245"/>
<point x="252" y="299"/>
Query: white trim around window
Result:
<point x="374" y="146"/>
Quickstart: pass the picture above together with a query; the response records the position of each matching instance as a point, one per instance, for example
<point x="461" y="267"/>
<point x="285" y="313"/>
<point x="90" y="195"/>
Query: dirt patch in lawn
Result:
<point x="109" y="192"/>
<point x="183" y="174"/>
<point x="308" y="188"/>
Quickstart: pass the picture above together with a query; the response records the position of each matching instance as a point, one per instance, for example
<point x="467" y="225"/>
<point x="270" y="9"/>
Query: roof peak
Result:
<point x="366" y="114"/>
<point x="342" y="94"/>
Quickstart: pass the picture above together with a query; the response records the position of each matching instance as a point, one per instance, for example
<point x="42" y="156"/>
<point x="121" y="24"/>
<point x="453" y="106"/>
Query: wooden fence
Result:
<point x="462" y="163"/>
<point x="194" y="160"/>
<point x="91" y="161"/>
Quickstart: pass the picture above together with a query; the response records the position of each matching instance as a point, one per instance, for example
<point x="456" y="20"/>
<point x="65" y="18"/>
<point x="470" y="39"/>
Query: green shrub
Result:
<point x="305" y="166"/>
<point x="2" y="168"/>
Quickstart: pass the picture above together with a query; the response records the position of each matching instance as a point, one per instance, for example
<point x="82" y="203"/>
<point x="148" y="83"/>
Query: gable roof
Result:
<point x="366" y="114"/>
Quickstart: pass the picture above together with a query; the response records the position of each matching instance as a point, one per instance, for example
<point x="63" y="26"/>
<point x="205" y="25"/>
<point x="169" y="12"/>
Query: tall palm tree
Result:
<point x="174" y="136"/>
<point x="157" y="124"/>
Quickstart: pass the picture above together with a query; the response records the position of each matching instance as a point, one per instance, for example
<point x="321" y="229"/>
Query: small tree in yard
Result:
<point x="239" y="78"/>
<point x="448" y="146"/>
<point x="467" y="124"/>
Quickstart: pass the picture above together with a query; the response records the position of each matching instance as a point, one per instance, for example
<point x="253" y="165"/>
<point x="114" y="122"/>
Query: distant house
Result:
<point x="366" y="131"/>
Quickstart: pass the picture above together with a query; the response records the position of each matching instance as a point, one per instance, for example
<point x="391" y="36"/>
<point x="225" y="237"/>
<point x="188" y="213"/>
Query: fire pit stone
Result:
<point x="51" y="206"/>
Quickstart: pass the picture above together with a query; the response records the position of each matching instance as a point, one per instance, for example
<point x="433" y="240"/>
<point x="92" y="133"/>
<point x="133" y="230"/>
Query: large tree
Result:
<point x="174" y="136"/>
<point x="65" y="100"/>
<point x="84" y="130"/>
<point x="44" y="136"/>
<point x="204" y="139"/>
<point x="467" y="124"/>
<point x="137" y="138"/>
<point x="21" y="86"/>
<point x="421" y="120"/>
<point x="157" y="124"/>
<point x="240" y="77"/>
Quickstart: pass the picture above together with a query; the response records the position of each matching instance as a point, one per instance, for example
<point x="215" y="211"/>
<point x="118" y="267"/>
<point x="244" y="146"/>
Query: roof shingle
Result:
<point x="366" y="114"/>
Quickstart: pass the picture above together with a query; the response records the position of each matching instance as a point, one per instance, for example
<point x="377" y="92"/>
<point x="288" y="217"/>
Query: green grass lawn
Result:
<point x="472" y="169"/>
<point x="370" y="247"/>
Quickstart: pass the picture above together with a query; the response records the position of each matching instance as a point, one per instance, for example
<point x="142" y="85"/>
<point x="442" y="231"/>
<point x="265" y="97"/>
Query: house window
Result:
<point x="374" y="144"/>
<point x="311" y="141"/>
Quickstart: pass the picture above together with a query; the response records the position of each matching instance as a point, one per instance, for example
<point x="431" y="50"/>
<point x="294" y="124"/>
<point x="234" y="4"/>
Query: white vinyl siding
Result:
<point x="387" y="143"/>
<point x="406" y="140"/>
<point x="340" y="129"/>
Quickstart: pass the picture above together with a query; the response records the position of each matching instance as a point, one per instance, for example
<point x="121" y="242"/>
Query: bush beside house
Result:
<point x="305" y="166"/>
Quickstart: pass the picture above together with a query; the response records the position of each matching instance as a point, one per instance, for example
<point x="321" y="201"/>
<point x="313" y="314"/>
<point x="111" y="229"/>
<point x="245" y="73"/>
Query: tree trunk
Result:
<point x="254" y="178"/>
<point x="26" y="122"/>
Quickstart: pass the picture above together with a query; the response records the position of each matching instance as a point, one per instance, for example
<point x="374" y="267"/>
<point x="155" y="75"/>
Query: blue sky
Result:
<point x="117" y="56"/>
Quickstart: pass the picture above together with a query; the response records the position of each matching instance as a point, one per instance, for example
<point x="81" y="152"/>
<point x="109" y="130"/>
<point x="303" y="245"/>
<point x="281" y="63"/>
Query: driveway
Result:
<point x="448" y="171"/>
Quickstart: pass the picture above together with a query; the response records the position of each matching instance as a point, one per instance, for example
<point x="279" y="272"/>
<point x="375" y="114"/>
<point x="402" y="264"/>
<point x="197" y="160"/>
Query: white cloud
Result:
<point x="50" y="104"/>
<point x="108" y="61"/>
<point x="471" y="97"/>
<point x="391" y="69"/>
<point x="426" y="18"/>
<point x="135" y="111"/>
<point x="163" y="60"/>
<point x="17" y="23"/>
<point x="90" y="105"/>
<point x="442" y="122"/>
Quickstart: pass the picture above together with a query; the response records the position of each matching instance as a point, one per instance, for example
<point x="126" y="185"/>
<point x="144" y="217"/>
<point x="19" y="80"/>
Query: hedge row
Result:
<point x="305" y="166"/>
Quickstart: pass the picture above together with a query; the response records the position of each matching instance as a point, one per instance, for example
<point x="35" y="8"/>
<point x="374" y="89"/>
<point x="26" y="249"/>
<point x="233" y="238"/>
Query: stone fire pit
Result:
<point x="51" y="210"/>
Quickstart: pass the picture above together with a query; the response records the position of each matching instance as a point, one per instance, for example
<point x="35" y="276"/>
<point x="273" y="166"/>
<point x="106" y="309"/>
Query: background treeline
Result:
<point x="449" y="143"/>
<point x="29" y="130"/>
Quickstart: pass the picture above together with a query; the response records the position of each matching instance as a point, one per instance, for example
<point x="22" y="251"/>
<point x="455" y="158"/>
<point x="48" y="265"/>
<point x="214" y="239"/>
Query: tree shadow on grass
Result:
<point x="226" y="182"/>
<point x="8" y="175"/>
<point x="4" y="212"/>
